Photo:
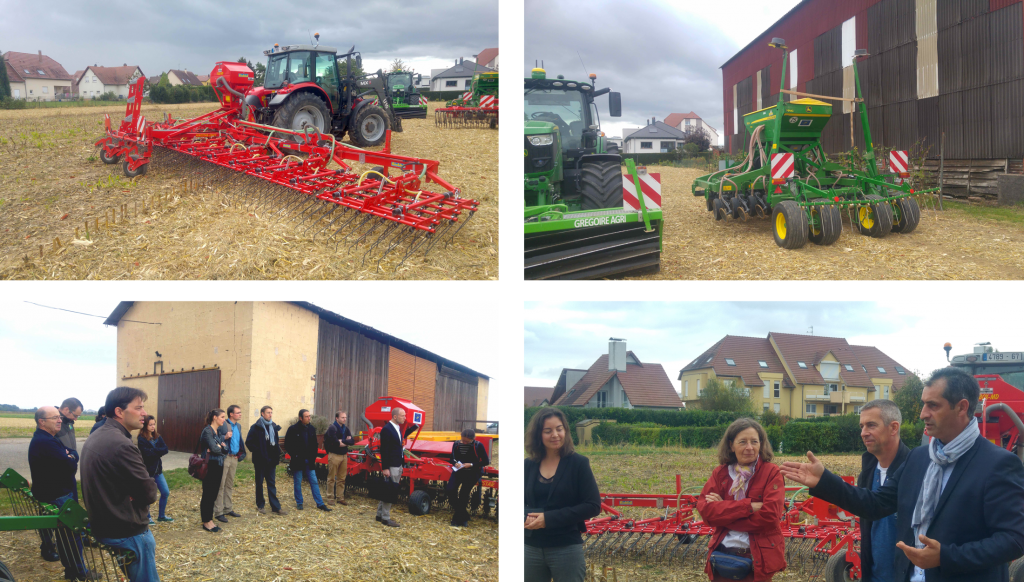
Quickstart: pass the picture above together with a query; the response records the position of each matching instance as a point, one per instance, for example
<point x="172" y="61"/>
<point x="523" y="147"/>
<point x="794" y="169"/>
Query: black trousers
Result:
<point x="211" y="486"/>
<point x="268" y="473"/>
<point x="463" y="482"/>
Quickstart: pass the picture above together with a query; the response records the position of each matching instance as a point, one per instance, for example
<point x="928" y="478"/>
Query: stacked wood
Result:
<point x="968" y="178"/>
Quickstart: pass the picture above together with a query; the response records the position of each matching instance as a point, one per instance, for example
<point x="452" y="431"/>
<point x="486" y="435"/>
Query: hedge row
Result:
<point x="683" y="436"/>
<point x="655" y="159"/>
<point x="669" y="418"/>
<point x="836" y="434"/>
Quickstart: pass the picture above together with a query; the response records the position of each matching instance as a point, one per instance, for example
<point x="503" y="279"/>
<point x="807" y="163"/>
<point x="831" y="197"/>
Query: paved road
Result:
<point x="14" y="454"/>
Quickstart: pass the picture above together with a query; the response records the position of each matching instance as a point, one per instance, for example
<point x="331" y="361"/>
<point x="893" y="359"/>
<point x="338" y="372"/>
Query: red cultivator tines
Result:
<point x="826" y="542"/>
<point x="280" y="173"/>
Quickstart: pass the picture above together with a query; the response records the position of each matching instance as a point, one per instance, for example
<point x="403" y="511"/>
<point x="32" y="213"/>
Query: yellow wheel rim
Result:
<point x="780" y="225"/>
<point x="815" y="213"/>
<point x="866" y="217"/>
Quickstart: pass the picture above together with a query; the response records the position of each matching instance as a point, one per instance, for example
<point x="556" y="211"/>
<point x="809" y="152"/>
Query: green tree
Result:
<point x="5" y="82"/>
<point x="700" y="137"/>
<point x="397" y="65"/>
<point x="343" y="68"/>
<point x="164" y="82"/>
<point x="728" y="398"/>
<point x="908" y="398"/>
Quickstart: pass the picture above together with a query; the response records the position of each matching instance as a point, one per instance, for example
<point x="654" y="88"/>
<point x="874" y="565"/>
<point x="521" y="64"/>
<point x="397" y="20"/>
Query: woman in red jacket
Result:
<point x="744" y="501"/>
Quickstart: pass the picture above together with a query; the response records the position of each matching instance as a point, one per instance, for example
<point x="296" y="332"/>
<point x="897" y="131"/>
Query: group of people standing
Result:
<point x="952" y="509"/>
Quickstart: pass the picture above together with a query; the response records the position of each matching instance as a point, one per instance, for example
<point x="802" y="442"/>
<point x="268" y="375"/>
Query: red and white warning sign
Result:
<point x="467" y="95"/>
<point x="423" y="100"/>
<point x="488" y="101"/>
<point x="899" y="162"/>
<point x="650" y="184"/>
<point x="782" y="167"/>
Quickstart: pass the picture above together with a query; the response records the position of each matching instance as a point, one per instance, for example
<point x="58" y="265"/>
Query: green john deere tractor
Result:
<point x="405" y="98"/>
<point x="576" y="226"/>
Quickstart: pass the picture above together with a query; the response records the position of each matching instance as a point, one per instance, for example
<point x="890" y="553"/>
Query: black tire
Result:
<point x="140" y="171"/>
<point x="719" y="209"/>
<point x="5" y="574"/>
<point x="419" y="502"/>
<point x="789" y="225"/>
<point x="837" y="569"/>
<point x="108" y="159"/>
<point x="494" y="125"/>
<point x="709" y="201"/>
<point x="909" y="215"/>
<point x="612" y="148"/>
<point x="369" y="127"/>
<point x="601" y="185"/>
<point x="831" y="225"/>
<point x="302" y="110"/>
<point x="875" y="218"/>
<point x="1017" y="570"/>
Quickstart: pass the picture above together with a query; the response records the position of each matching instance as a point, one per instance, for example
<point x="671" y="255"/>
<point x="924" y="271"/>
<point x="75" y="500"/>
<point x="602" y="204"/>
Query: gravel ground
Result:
<point x="946" y="245"/>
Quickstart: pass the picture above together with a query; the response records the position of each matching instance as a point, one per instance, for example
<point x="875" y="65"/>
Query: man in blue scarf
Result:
<point x="959" y="501"/>
<point x="265" y="445"/>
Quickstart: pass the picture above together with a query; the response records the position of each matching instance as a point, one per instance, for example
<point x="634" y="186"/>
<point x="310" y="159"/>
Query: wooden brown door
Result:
<point x="185" y="400"/>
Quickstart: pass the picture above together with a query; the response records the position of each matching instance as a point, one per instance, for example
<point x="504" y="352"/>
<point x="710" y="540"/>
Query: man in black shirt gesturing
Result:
<point x="468" y="459"/>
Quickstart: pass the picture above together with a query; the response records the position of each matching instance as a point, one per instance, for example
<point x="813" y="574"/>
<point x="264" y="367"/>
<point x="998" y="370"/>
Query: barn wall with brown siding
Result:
<point x="456" y="395"/>
<point x="413" y="378"/>
<point x="351" y="372"/>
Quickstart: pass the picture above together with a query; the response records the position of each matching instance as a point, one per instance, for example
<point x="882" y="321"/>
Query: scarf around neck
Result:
<point x="931" y="488"/>
<point x="743" y="475"/>
<point x="268" y="427"/>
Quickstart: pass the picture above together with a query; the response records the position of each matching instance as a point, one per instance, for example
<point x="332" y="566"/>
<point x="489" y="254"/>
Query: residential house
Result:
<point x="488" y="58"/>
<point x="799" y="376"/>
<point x="617" y="379"/>
<point x="456" y="78"/>
<point x="74" y="84"/>
<point x="154" y="80"/>
<point x="537" y="395"/>
<point x="37" y="77"/>
<point x="204" y="79"/>
<point x="655" y="137"/>
<point x="183" y="77"/>
<point x="685" y="122"/>
<point x="95" y="81"/>
<point x="615" y="140"/>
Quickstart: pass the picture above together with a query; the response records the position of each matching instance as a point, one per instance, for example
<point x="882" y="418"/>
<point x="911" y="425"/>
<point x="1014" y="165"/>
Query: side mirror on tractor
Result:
<point x="615" y="104"/>
<point x="359" y="61"/>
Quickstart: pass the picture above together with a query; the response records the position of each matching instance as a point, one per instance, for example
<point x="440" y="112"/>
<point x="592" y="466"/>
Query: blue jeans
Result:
<point x="165" y="492"/>
<point x="314" y="484"/>
<point x="267" y="473"/>
<point x="68" y="544"/>
<point x="143" y="567"/>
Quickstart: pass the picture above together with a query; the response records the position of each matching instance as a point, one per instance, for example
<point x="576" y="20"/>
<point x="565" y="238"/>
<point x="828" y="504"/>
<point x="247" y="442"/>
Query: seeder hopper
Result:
<point x="477" y="107"/>
<point x="386" y="203"/>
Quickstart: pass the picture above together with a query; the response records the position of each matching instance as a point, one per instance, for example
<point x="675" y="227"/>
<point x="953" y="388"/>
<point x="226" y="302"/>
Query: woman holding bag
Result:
<point x="744" y="501"/>
<point x="152" y="447"/>
<point x="213" y="447"/>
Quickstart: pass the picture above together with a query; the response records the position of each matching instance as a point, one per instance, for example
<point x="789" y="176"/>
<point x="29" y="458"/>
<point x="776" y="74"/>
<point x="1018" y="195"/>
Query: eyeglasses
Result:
<point x="50" y="417"/>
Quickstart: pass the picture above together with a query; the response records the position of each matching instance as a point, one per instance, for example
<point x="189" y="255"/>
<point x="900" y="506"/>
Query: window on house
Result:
<point x="686" y="389"/>
<point x="777" y="408"/>
<point x="900" y="371"/>
<point x="864" y="367"/>
<point x="602" y="399"/>
<point x="802" y="365"/>
<point x="646" y="145"/>
<point x="40" y="71"/>
<point x="830" y="388"/>
<point x="762" y="363"/>
<point x="730" y="361"/>
<point x="766" y="407"/>
<point x="885" y="392"/>
<point x="856" y="409"/>
<point x="688" y="122"/>
<point x="698" y="387"/>
<point x="709" y="359"/>
<point x="451" y="83"/>
<point x="767" y="390"/>
<point x="29" y="91"/>
<point x="849" y="368"/>
<point x="811" y="409"/>
<point x="881" y="369"/>
<point x="469" y="83"/>
<point x="46" y="90"/>
<point x="830" y="408"/>
<point x="778" y="385"/>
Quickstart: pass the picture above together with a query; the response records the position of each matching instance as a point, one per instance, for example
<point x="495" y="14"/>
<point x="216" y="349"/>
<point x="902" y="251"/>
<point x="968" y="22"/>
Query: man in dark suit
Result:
<point x="264" y="443"/>
<point x="300" y="442"/>
<point x="880" y="430"/>
<point x="391" y="459"/>
<point x="959" y="501"/>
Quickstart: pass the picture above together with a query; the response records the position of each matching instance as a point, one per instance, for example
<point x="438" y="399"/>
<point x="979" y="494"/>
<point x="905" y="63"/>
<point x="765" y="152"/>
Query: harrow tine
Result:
<point x="373" y="247"/>
<point x="451" y="239"/>
<point x="407" y="234"/>
<point x="320" y="219"/>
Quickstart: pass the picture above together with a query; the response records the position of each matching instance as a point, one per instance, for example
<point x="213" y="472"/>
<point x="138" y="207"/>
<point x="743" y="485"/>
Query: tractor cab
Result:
<point x="403" y="87"/>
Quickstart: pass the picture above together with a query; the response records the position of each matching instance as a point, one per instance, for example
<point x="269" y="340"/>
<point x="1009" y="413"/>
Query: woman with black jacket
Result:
<point x="214" y="448"/>
<point x="152" y="447"/>
<point x="561" y="494"/>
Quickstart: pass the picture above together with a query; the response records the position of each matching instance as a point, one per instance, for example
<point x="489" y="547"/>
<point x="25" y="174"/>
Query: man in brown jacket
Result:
<point x="116" y="486"/>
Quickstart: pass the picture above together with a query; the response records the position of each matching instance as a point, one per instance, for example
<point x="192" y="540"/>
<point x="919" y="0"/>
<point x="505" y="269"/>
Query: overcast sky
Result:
<point x="196" y="34"/>
<point x="574" y="335"/>
<point x="47" y="355"/>
<point x="663" y="57"/>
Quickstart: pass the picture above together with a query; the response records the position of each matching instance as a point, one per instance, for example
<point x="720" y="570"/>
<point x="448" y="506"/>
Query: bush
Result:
<point x="108" y="96"/>
<point x="774" y="437"/>
<point x="770" y="418"/>
<point x="11" y="103"/>
<point x="685" y="436"/>
<point x="911" y="432"/>
<point x="726" y="397"/>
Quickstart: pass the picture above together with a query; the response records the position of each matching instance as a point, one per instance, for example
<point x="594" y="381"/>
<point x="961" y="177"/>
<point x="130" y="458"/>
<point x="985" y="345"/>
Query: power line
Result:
<point x="90" y="315"/>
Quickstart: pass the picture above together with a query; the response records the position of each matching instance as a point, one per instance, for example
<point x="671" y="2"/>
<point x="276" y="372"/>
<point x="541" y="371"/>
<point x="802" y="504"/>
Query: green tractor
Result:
<point x="576" y="224"/>
<point x="405" y="98"/>
<point x="477" y="107"/>
<point x="786" y="176"/>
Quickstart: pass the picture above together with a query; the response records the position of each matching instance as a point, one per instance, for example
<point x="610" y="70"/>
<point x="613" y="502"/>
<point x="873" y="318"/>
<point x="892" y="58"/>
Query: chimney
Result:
<point x="616" y="354"/>
<point x="40" y="56"/>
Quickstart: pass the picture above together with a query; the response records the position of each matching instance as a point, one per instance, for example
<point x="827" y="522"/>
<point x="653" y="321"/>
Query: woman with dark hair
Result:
<point x="101" y="417"/>
<point x="561" y="494"/>
<point x="152" y="447"/>
<point x="214" y="448"/>
<point x="744" y="501"/>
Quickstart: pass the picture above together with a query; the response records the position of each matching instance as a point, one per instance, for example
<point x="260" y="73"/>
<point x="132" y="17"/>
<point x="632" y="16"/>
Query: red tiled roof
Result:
<point x="28" y="65"/>
<point x="486" y="56"/>
<point x="645" y="385"/>
<point x="674" y="119"/>
<point x="112" y="75"/>
<point x="537" y="394"/>
<point x="154" y="80"/>
<point x="811" y="349"/>
<point x="745" y="353"/>
<point x="12" y="75"/>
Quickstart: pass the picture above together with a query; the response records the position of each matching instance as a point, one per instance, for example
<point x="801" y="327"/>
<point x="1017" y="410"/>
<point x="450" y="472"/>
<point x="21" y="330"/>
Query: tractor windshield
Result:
<point x="404" y="79"/>
<point x="293" y="67"/>
<point x="564" y="108"/>
<point x="275" y="71"/>
<point x="1012" y="375"/>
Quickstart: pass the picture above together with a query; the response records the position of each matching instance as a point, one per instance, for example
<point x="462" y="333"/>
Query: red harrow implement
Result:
<point x="462" y="116"/>
<point x="279" y="173"/>
<point x="825" y="542"/>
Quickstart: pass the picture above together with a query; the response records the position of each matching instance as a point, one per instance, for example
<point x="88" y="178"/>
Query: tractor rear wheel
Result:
<point x="875" y="218"/>
<point x="1017" y="570"/>
<point x="837" y="569"/>
<point x="419" y="502"/>
<point x="301" y="111"/>
<point x="909" y="215"/>
<point x="830" y="225"/>
<point x="789" y="224"/>
<point x="108" y="159"/>
<point x="601" y="185"/>
<point x="719" y="209"/>
<point x="368" y="127"/>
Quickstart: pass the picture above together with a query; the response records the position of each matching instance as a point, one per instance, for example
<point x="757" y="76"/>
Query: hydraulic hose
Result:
<point x="1016" y="421"/>
<point x="224" y="84"/>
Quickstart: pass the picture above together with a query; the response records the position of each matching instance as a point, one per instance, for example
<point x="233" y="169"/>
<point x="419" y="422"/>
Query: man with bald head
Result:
<point x="53" y="467"/>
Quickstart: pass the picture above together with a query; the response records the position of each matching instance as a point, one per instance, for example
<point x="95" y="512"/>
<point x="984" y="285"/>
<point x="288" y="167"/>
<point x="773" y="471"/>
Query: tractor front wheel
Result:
<point x="830" y="225"/>
<point x="301" y="111"/>
<point x="419" y="502"/>
<point x="369" y="127"/>
<point x="789" y="224"/>
<point x="908" y="215"/>
<point x="601" y="185"/>
<point x="875" y="218"/>
<point x="837" y="569"/>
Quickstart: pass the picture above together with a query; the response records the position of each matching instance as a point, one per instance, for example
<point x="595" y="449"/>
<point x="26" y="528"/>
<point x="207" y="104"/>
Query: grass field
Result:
<point x="633" y="469"/>
<point x="23" y="424"/>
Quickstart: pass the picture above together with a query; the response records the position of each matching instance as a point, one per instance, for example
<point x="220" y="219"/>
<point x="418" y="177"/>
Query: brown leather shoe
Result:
<point x="330" y="502"/>
<point x="342" y="502"/>
<point x="261" y="511"/>
<point x="390" y="523"/>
